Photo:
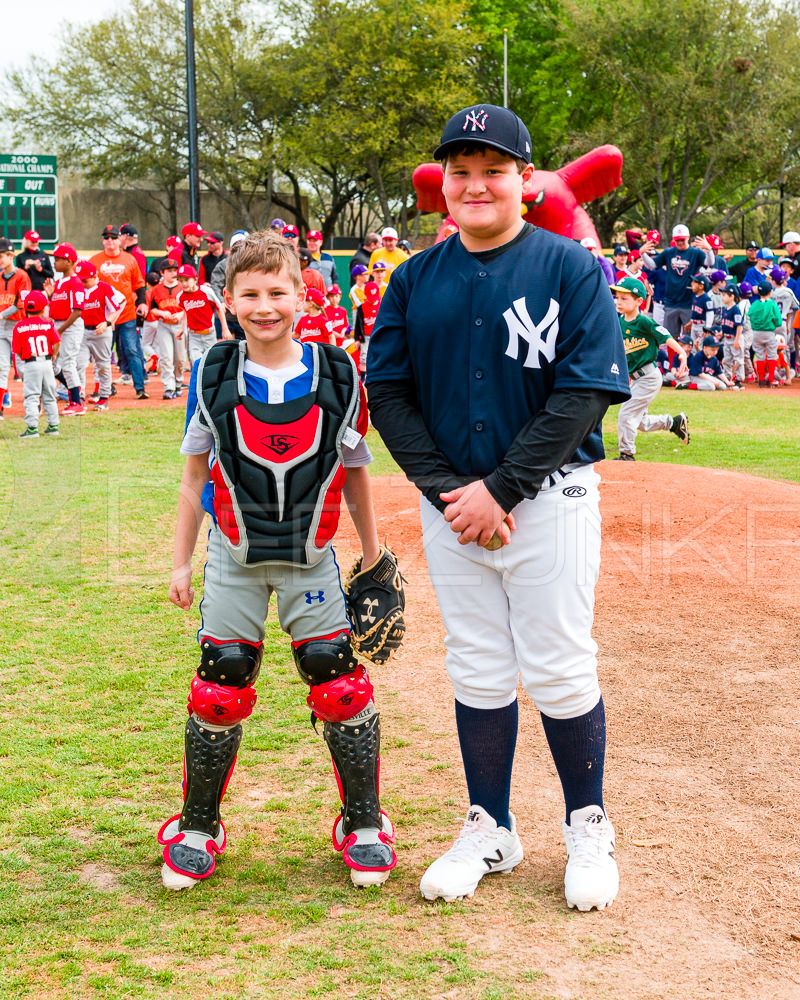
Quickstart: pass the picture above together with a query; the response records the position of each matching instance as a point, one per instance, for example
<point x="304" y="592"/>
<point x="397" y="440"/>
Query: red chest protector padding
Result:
<point x="277" y="474"/>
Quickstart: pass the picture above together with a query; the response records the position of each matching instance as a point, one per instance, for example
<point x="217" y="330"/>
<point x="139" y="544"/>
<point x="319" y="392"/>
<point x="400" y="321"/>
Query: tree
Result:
<point x="702" y="100"/>
<point x="373" y="81"/>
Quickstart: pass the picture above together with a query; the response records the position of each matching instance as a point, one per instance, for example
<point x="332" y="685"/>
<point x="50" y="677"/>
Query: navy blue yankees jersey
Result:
<point x="487" y="341"/>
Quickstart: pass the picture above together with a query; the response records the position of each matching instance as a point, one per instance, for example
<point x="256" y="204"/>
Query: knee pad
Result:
<point x="342" y="698"/>
<point x="219" y="704"/>
<point x="323" y="659"/>
<point x="234" y="664"/>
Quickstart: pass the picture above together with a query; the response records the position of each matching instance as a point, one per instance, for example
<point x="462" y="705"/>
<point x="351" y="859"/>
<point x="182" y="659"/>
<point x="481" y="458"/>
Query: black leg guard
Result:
<point x="210" y="757"/>
<point x="356" y="753"/>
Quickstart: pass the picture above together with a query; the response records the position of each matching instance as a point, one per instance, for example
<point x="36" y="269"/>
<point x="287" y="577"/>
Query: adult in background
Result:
<point x="34" y="262"/>
<point x="129" y="241"/>
<point x="680" y="262"/>
<point x="278" y="224"/>
<point x="172" y="244"/>
<point x="218" y="282"/>
<point x="791" y="243"/>
<point x="321" y="261"/>
<point x="372" y="242"/>
<point x="389" y="252"/>
<point x="121" y="271"/>
<point x="740" y="268"/>
<point x="192" y="235"/>
<point x="216" y="253"/>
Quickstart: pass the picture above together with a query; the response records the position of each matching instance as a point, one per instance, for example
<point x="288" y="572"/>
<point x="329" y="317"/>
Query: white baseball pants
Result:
<point x="525" y="610"/>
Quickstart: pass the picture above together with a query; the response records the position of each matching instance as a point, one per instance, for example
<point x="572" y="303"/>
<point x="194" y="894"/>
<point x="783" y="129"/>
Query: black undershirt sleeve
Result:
<point x="141" y="296"/>
<point x="545" y="443"/>
<point x="395" y="414"/>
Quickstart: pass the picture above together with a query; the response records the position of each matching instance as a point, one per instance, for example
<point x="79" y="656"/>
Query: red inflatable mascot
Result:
<point x="553" y="200"/>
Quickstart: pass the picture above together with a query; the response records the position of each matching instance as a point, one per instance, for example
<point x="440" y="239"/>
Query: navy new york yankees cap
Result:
<point x="488" y="125"/>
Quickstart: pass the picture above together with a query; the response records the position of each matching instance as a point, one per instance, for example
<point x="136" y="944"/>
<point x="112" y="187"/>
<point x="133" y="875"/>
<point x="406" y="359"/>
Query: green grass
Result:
<point x="94" y="669"/>
<point x="745" y="431"/>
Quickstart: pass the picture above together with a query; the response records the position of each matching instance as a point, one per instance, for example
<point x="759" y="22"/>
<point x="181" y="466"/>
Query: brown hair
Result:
<point x="265" y="251"/>
<point x="469" y="148"/>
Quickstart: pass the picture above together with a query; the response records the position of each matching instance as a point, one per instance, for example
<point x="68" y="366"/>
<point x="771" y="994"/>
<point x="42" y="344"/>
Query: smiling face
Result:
<point x="483" y="191"/>
<point x="264" y="303"/>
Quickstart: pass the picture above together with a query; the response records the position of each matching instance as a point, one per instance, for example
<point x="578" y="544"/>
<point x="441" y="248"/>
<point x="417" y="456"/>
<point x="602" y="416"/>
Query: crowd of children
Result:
<point x="175" y="316"/>
<point x="743" y="327"/>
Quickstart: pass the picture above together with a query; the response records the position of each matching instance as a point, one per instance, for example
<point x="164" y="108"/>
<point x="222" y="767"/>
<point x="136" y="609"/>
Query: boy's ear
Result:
<point x="226" y="298"/>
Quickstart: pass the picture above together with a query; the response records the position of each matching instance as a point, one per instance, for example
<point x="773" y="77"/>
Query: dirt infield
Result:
<point x="697" y="627"/>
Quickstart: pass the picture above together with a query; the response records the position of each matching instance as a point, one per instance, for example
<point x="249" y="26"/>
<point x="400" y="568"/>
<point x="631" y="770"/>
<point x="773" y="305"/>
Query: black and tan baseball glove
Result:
<point x="375" y="604"/>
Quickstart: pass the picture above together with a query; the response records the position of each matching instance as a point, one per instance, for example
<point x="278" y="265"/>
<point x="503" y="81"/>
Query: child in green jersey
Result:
<point x="643" y="337"/>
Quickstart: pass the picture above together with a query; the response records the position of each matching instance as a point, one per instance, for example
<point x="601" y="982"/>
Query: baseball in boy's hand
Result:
<point x="494" y="542"/>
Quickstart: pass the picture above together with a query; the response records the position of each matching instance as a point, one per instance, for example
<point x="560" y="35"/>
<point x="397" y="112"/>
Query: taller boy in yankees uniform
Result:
<point x="502" y="450"/>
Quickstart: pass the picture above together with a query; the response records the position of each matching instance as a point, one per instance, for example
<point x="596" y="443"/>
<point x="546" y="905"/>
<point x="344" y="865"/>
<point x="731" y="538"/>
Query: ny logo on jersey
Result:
<point x="369" y="604"/>
<point x="279" y="443"/>
<point x="477" y="119"/>
<point x="319" y="596"/>
<point x="540" y="337"/>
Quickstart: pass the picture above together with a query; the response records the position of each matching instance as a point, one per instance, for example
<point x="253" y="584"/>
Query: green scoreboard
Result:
<point x="28" y="196"/>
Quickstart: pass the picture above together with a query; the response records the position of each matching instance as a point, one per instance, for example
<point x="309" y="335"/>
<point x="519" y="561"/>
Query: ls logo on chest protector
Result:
<point x="540" y="337"/>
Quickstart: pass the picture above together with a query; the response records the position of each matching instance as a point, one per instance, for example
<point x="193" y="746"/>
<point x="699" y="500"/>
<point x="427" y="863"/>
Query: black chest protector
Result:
<point x="277" y="472"/>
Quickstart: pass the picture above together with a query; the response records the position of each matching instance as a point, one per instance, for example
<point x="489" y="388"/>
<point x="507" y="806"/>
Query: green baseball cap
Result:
<point x="632" y="285"/>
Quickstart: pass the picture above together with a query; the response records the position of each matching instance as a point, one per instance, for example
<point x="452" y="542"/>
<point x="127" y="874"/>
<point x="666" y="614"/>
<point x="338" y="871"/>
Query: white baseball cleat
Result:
<point x="592" y="877"/>
<point x="482" y="848"/>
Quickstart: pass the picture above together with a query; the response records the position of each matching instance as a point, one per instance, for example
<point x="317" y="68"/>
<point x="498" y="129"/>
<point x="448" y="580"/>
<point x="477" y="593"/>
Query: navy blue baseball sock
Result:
<point x="578" y="747"/>
<point x="488" y="738"/>
<point x="75" y="394"/>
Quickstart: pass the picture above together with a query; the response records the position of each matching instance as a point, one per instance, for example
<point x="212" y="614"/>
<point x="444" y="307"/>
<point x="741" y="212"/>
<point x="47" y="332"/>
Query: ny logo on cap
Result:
<point x="477" y="119"/>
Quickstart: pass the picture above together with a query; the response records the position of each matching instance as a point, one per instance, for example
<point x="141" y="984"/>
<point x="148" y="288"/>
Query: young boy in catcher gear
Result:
<point x="280" y="426"/>
<point x="502" y="449"/>
<point x="643" y="337"/>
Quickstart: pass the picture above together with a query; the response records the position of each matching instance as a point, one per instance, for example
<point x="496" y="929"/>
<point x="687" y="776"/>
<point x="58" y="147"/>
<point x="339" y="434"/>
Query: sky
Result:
<point x="33" y="27"/>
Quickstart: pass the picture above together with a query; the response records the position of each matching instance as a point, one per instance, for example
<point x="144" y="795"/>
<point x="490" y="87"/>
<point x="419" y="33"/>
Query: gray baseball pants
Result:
<point x="633" y="415"/>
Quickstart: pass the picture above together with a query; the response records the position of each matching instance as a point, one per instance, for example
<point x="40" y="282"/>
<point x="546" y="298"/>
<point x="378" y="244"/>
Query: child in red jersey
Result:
<point x="313" y="325"/>
<point x="66" y="309"/>
<point x="171" y="344"/>
<point x="34" y="341"/>
<point x="150" y="326"/>
<point x="366" y="314"/>
<point x="14" y="285"/>
<point x="102" y="305"/>
<point x="337" y="314"/>
<point x="199" y="304"/>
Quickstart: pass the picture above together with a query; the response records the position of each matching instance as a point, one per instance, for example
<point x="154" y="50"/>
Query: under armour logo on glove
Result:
<point x="369" y="604"/>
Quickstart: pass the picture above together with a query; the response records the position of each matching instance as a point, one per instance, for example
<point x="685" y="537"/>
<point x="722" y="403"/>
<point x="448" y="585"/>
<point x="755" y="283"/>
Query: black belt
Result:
<point x="642" y="371"/>
<point x="43" y="357"/>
